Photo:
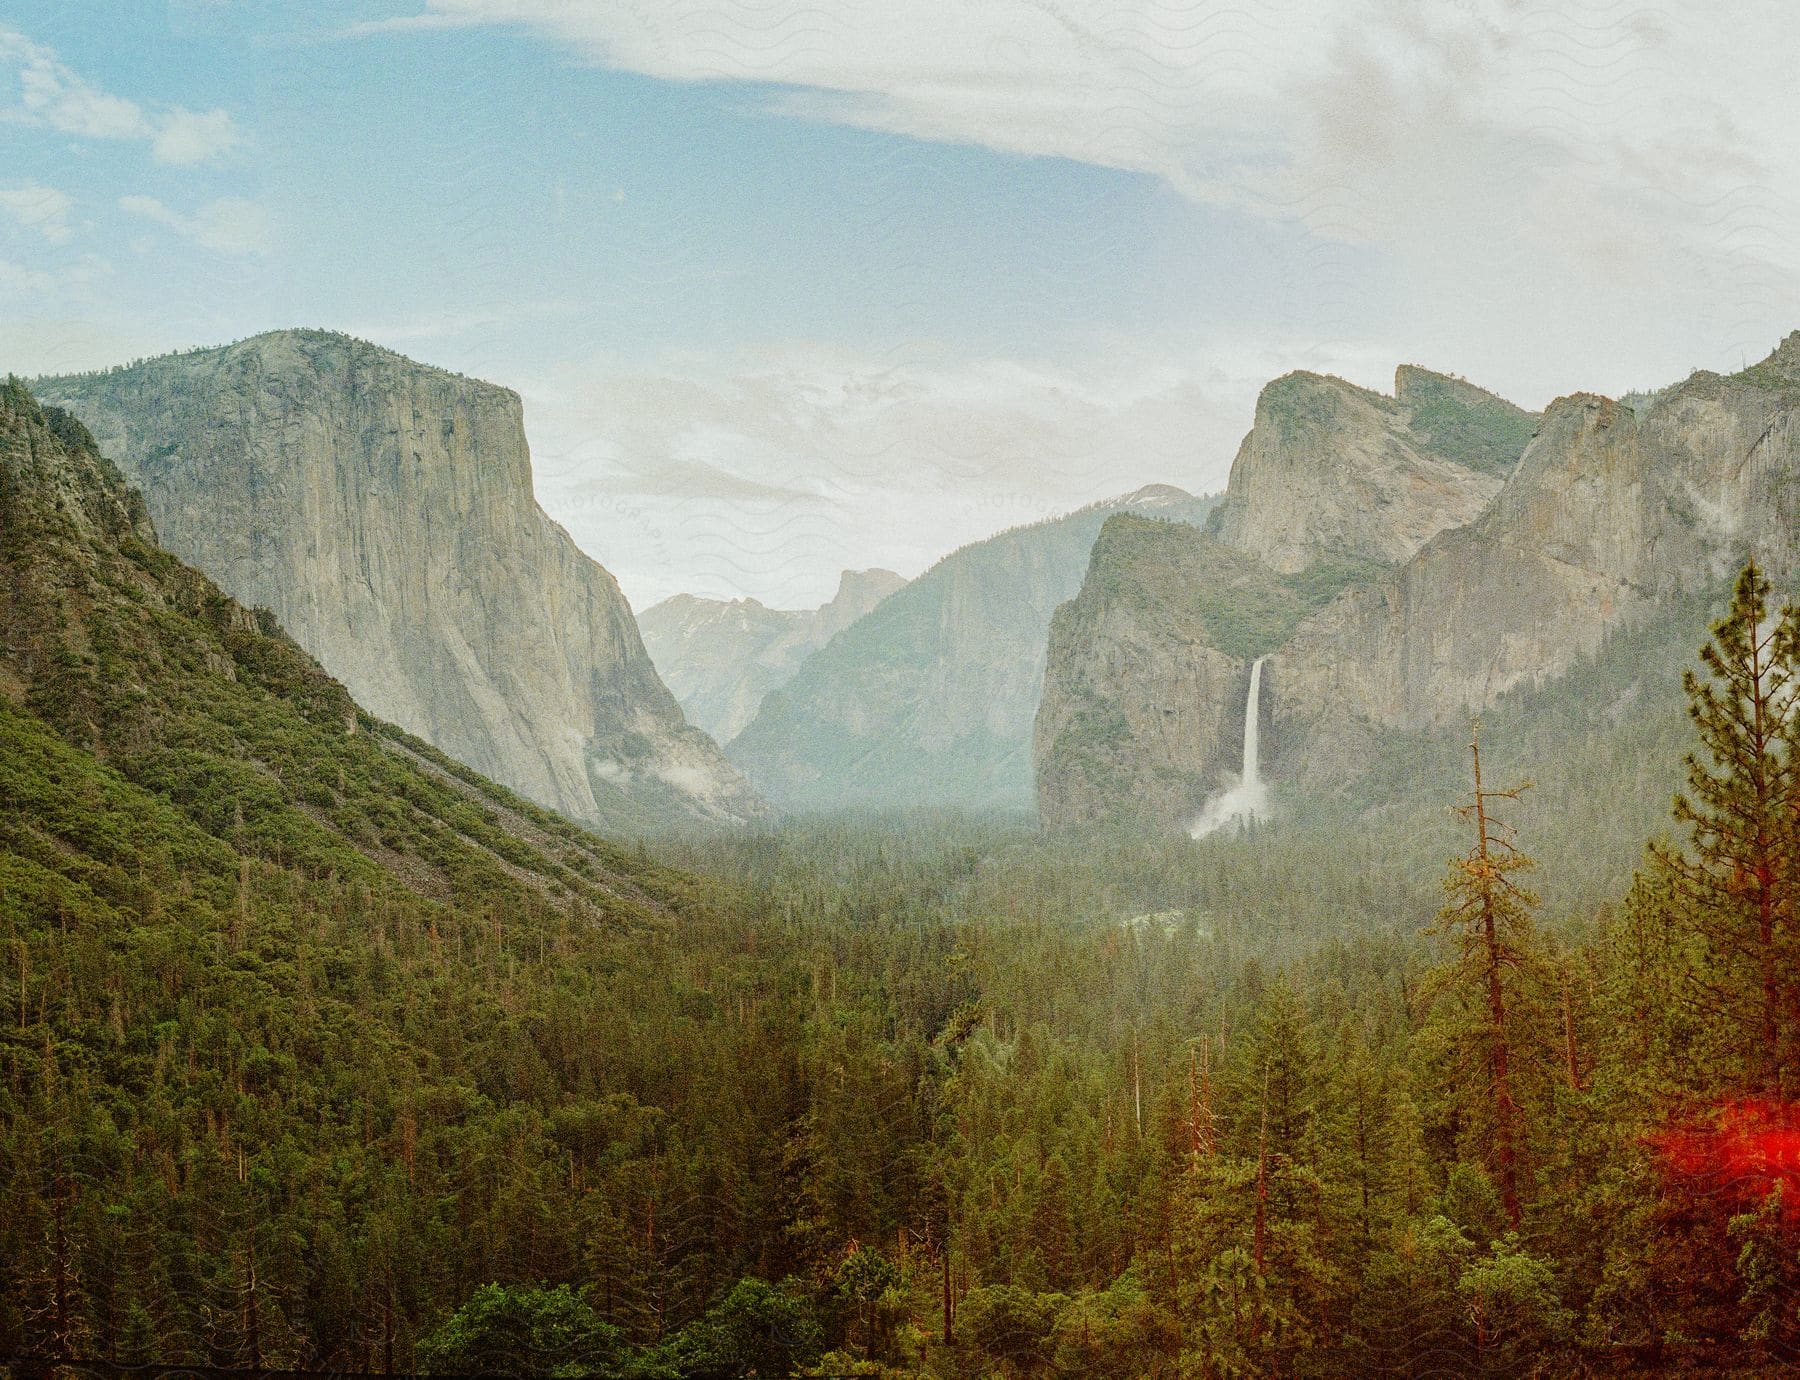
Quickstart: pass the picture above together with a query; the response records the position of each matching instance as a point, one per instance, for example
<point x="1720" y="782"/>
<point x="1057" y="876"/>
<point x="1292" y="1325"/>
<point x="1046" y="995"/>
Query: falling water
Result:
<point x="1249" y="799"/>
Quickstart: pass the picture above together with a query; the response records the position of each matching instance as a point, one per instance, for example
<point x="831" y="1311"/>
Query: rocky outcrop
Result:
<point x="1142" y="714"/>
<point x="1610" y="515"/>
<point x="929" y="699"/>
<point x="1615" y="514"/>
<point x="721" y="658"/>
<point x="1335" y="473"/>
<point x="383" y="511"/>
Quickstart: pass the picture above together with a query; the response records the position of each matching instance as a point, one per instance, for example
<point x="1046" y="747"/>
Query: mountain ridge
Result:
<point x="1614" y="513"/>
<point x="722" y="658"/>
<point x="929" y="699"/>
<point x="383" y="510"/>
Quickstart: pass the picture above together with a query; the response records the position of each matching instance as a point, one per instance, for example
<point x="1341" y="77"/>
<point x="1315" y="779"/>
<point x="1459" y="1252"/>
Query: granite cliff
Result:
<point x="722" y="657"/>
<point x="1615" y="514"/>
<point x="1333" y="472"/>
<point x="1612" y="515"/>
<point x="383" y="511"/>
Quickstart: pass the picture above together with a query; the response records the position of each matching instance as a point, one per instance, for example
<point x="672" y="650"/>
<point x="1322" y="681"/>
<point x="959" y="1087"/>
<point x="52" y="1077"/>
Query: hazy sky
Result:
<point x="789" y="287"/>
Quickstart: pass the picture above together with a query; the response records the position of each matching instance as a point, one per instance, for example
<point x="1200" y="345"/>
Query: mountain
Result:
<point x="929" y="698"/>
<point x="1333" y="472"/>
<point x="307" y="1025"/>
<point x="130" y="682"/>
<point x="1612" y="516"/>
<point x="1616" y="516"/>
<point x="383" y="511"/>
<point x="1142" y="711"/>
<point x="722" y="657"/>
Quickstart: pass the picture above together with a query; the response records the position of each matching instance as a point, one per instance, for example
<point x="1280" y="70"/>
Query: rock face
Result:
<point x="1332" y="472"/>
<point x="721" y="658"/>
<point x="929" y="699"/>
<point x="1142" y="710"/>
<point x="1610" y="515"/>
<point x="1142" y="714"/>
<point x="1613" y="514"/>
<point x="383" y="511"/>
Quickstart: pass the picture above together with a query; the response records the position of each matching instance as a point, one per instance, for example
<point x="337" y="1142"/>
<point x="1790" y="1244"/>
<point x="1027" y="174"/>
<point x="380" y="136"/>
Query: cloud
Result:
<point x="766" y="474"/>
<point x="41" y="209"/>
<point x="42" y="286"/>
<point x="1624" y="141"/>
<point x="190" y="136"/>
<point x="230" y="225"/>
<point x="53" y="96"/>
<point x="17" y="280"/>
<point x="409" y="23"/>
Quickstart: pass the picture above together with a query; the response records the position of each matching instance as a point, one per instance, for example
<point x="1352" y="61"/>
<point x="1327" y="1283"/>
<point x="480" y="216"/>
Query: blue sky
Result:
<point x="481" y="182"/>
<point x="790" y="288"/>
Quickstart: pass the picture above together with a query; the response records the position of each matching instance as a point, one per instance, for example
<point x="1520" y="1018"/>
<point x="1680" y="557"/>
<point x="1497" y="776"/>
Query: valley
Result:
<point x="1021" y="691"/>
<point x="909" y="1084"/>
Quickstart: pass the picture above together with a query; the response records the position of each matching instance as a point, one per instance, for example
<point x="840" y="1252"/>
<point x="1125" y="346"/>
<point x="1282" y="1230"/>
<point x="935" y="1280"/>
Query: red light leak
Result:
<point x="1746" y="1148"/>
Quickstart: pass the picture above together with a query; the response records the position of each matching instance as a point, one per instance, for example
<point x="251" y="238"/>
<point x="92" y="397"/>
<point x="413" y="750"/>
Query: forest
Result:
<point x="318" y="1052"/>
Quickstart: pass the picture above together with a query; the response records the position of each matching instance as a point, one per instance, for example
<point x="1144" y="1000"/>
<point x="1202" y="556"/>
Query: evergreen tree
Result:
<point x="1481" y="994"/>
<point x="1735" y="883"/>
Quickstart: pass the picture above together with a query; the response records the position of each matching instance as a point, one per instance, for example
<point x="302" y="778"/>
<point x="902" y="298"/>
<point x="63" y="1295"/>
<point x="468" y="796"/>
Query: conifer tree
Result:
<point x="1488" y="917"/>
<point x="1735" y="883"/>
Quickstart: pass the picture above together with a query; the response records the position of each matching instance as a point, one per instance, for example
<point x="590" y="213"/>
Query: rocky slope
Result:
<point x="1333" y="472"/>
<point x="930" y="698"/>
<point x="1614" y="515"/>
<point x="721" y="657"/>
<point x="383" y="511"/>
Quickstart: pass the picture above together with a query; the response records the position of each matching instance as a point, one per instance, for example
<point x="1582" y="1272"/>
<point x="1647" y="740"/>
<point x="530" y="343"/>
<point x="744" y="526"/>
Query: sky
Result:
<point x="793" y="286"/>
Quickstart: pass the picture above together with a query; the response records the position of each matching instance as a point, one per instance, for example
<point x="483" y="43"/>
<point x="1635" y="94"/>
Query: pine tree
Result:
<point x="1488" y="916"/>
<point x="1736" y="881"/>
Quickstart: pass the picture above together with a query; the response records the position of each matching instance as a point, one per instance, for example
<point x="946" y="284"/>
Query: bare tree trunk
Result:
<point x="949" y="1302"/>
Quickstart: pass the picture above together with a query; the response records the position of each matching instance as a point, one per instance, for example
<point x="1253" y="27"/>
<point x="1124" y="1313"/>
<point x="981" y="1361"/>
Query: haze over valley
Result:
<point x="975" y="692"/>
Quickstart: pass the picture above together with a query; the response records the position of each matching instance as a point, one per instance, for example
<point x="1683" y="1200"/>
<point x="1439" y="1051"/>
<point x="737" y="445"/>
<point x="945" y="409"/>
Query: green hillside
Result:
<point x="1464" y="423"/>
<point x="307" y="1032"/>
<point x="1175" y="571"/>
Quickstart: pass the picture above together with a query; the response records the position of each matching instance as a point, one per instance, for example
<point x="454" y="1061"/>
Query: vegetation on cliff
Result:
<point x="1461" y="422"/>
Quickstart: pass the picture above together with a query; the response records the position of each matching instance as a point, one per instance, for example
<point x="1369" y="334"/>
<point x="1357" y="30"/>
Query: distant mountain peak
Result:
<point x="1149" y="496"/>
<point x="928" y="699"/>
<point x="854" y="582"/>
<point x="722" y="657"/>
<point x="1154" y="496"/>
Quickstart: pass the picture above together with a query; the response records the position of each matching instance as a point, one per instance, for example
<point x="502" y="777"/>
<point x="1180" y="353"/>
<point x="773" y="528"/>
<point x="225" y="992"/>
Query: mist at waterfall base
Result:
<point x="1241" y="805"/>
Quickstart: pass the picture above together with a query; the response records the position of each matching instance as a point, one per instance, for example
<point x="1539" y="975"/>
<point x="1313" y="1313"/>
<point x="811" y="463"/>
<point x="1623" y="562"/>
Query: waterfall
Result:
<point x="1253" y="727"/>
<point x="1248" y="800"/>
